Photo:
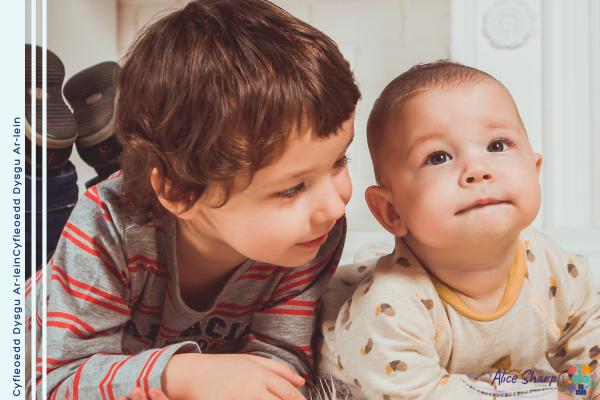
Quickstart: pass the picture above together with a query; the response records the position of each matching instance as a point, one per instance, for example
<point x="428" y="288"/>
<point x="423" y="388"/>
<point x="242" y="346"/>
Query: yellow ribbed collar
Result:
<point x="513" y="289"/>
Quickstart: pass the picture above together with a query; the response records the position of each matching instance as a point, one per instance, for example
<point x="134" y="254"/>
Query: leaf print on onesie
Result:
<point x="552" y="292"/>
<point x="428" y="303"/>
<point x="339" y="364"/>
<point x="366" y="290"/>
<point x="386" y="309"/>
<point x="562" y="351"/>
<point x="572" y="269"/>
<point x="396" y="365"/>
<point x="530" y="255"/>
<point x="367" y="349"/>
<point x="595" y="352"/>
<point x="445" y="378"/>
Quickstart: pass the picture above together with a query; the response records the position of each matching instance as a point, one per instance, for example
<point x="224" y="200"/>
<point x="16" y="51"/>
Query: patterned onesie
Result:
<point x="403" y="334"/>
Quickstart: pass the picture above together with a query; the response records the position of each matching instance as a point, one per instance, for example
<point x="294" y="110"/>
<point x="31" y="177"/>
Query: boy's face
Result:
<point x="460" y="167"/>
<point x="287" y="211"/>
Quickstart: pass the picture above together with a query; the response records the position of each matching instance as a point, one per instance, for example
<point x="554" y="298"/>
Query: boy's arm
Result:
<point x="579" y="341"/>
<point x="284" y="330"/>
<point x="89" y="303"/>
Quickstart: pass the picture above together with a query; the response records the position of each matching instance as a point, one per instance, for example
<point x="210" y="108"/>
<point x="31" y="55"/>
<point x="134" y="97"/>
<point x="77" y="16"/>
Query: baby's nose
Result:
<point x="485" y="177"/>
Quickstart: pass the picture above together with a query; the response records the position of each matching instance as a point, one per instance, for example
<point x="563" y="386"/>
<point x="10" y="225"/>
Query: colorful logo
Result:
<point x="582" y="379"/>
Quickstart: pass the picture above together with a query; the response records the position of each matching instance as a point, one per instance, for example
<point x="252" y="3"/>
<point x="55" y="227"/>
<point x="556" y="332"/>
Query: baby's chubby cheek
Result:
<point x="428" y="213"/>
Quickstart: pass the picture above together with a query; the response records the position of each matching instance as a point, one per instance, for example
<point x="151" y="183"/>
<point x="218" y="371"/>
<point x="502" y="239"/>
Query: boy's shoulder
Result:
<point x="109" y="202"/>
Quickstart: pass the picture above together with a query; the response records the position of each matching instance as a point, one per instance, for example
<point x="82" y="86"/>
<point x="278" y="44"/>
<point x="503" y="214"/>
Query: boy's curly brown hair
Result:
<point x="215" y="90"/>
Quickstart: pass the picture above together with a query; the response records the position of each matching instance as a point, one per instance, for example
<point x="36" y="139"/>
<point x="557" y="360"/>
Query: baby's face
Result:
<point x="460" y="167"/>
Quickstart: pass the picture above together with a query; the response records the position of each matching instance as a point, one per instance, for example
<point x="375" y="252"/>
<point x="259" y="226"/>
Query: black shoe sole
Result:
<point x="91" y="95"/>
<point x="61" y="124"/>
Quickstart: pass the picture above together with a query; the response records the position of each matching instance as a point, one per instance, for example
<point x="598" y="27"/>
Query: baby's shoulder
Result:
<point x="550" y="266"/>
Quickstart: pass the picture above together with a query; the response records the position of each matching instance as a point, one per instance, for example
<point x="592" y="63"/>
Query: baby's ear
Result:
<point x="538" y="162"/>
<point x="380" y="202"/>
<point x="171" y="199"/>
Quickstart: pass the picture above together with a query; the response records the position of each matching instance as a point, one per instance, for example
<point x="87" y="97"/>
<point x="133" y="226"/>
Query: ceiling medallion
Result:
<point x="508" y="24"/>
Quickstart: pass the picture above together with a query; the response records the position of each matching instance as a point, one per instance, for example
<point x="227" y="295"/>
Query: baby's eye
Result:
<point x="341" y="163"/>
<point x="498" y="146"/>
<point x="438" y="158"/>
<point x="292" y="192"/>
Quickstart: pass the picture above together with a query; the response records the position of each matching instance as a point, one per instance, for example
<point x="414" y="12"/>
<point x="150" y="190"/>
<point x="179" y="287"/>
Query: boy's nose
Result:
<point x="330" y="208"/>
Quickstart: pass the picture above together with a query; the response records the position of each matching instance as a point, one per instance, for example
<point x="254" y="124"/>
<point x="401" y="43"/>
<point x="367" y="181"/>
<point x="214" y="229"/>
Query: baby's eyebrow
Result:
<point x="504" y="125"/>
<point x="423" y="139"/>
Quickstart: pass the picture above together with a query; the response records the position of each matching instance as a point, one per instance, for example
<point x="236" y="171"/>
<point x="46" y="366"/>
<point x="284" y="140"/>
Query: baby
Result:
<point x="473" y="298"/>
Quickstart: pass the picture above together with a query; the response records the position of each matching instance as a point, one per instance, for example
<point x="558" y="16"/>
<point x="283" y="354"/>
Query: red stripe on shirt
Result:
<point x="88" y="288"/>
<point x="90" y="299"/>
<point x="308" y="270"/>
<point x="103" y="382"/>
<point x="109" y="384"/>
<point x="70" y="327"/>
<point x="239" y="307"/>
<point x="76" y="380"/>
<point x="281" y="311"/>
<point x="260" y="277"/>
<point x="146" y="384"/>
<point x="294" y="285"/>
<point x="138" y="382"/>
<point x="96" y="253"/>
<point x="75" y="319"/>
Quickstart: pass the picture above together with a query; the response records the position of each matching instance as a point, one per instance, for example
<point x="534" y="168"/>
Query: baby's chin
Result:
<point x="483" y="232"/>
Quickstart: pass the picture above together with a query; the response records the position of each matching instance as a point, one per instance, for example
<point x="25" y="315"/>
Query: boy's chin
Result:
<point x="294" y="259"/>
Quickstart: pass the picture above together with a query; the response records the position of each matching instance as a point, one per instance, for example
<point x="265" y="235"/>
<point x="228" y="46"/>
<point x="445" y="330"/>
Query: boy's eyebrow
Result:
<point x="303" y="172"/>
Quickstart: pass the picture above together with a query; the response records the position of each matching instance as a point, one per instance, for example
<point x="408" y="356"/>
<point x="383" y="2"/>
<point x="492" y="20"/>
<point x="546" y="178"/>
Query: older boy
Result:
<point x="472" y="297"/>
<point x="200" y="268"/>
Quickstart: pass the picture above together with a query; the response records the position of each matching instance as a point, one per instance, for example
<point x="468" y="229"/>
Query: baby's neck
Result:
<point x="477" y="274"/>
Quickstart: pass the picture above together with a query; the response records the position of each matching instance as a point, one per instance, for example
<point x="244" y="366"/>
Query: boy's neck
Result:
<point x="478" y="274"/>
<point x="204" y="265"/>
<point x="207" y="250"/>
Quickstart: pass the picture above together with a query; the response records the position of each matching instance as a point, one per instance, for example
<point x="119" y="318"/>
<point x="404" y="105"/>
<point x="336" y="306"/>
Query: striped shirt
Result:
<point x="116" y="316"/>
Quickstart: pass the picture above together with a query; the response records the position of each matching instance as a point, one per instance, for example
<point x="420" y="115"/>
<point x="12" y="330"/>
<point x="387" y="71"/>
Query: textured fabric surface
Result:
<point x="393" y="332"/>
<point x="115" y="314"/>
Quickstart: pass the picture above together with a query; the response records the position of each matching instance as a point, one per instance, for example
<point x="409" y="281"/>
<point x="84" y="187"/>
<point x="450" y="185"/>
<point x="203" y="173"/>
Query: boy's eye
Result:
<point x="341" y="163"/>
<point x="292" y="192"/>
<point x="499" y="145"/>
<point x="438" y="158"/>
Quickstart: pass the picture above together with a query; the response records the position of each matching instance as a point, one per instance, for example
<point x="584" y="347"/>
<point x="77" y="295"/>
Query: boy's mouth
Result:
<point x="316" y="242"/>
<point x="482" y="203"/>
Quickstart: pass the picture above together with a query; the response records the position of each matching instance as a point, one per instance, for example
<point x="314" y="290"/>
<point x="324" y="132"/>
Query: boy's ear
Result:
<point x="176" y="207"/>
<point x="380" y="202"/>
<point x="538" y="162"/>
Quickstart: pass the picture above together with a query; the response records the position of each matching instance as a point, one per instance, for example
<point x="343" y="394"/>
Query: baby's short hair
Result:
<point x="442" y="74"/>
<point x="215" y="90"/>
